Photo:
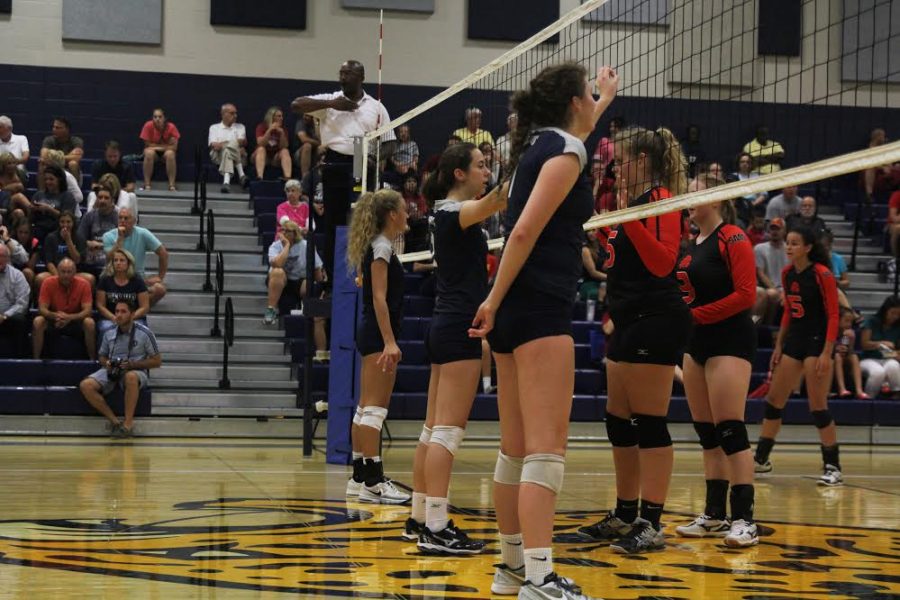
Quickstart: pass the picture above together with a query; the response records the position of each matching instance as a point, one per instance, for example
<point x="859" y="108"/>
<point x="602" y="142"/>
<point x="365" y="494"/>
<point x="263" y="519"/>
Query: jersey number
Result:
<point x="796" y="303"/>
<point x="610" y="250"/>
<point x="686" y="287"/>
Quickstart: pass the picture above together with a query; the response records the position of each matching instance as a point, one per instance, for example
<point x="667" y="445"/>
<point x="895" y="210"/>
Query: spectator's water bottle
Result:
<point x="591" y="309"/>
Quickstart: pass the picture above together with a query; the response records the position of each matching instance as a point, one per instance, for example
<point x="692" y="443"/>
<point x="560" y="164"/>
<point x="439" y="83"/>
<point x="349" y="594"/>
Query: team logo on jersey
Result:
<point x="735" y="237"/>
<point x="304" y="548"/>
<point x="795" y="287"/>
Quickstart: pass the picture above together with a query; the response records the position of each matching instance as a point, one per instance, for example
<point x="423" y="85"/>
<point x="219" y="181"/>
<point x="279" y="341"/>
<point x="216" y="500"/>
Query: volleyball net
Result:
<point x="804" y="86"/>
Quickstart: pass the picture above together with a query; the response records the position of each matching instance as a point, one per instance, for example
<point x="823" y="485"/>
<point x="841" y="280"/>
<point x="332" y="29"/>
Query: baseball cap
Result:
<point x="777" y="222"/>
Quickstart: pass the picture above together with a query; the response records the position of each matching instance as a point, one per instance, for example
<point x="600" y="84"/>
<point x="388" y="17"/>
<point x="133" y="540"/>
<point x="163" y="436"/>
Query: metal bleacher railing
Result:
<point x="227" y="342"/>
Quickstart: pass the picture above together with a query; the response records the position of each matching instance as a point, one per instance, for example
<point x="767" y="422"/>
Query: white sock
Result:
<point x="418" y="507"/>
<point x="436" y="513"/>
<point x="538" y="564"/>
<point x="485" y="382"/>
<point x="511" y="550"/>
<point x="240" y="169"/>
<point x="357" y="455"/>
<point x="226" y="179"/>
<point x="374" y="458"/>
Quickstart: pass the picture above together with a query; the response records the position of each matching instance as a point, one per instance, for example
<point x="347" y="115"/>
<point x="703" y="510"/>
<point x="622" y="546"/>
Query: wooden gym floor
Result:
<point x="163" y="518"/>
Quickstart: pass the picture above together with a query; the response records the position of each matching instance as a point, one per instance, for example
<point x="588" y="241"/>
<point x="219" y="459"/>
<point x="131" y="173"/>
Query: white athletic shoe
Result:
<point x="832" y="477"/>
<point x="384" y="492"/>
<point x="742" y="534"/>
<point x="704" y="526"/>
<point x="353" y="488"/>
<point x="765" y="467"/>
<point x="507" y="581"/>
<point x="553" y="588"/>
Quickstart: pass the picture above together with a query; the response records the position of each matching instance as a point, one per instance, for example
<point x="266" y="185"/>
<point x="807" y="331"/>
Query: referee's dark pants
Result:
<point x="337" y="187"/>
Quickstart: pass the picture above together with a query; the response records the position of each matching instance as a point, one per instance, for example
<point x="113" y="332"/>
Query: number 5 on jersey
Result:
<point x="610" y="250"/>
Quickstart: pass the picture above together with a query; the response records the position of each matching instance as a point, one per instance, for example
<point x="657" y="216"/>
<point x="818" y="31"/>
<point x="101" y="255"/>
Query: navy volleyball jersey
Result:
<point x="718" y="276"/>
<point x="554" y="265"/>
<point x="461" y="256"/>
<point x="381" y="248"/>
<point x="810" y="302"/>
<point x="640" y="264"/>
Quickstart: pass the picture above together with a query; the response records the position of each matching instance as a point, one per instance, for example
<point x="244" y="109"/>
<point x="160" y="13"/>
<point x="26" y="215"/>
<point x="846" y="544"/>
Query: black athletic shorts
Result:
<point x="651" y="339"/>
<point x="801" y="346"/>
<point x="368" y="335"/>
<point x="447" y="339"/>
<point x="733" y="337"/>
<point x="521" y="320"/>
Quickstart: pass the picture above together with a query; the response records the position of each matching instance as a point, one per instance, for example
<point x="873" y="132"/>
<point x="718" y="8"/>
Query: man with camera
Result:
<point x="127" y="353"/>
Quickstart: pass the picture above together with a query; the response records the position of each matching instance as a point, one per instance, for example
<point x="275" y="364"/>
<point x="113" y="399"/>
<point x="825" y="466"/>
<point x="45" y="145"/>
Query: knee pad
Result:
<point x="772" y="412"/>
<point x="652" y="431"/>
<point x="425" y="436"/>
<point x="621" y="432"/>
<point x="373" y="416"/>
<point x="822" y="418"/>
<point x="448" y="436"/>
<point x="732" y="436"/>
<point x="508" y="469"/>
<point x="707" y="434"/>
<point x="357" y="416"/>
<point x="545" y="470"/>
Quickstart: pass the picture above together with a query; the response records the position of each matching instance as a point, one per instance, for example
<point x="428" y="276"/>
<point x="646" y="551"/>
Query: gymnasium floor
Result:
<point x="168" y="518"/>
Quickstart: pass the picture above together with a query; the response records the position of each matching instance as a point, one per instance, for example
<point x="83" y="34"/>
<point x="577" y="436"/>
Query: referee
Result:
<point x="343" y="115"/>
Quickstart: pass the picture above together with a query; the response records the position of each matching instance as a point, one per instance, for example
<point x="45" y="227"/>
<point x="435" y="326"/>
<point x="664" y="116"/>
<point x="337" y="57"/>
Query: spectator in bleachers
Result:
<point x="416" y="237"/>
<point x="592" y="288"/>
<point x="112" y="163"/>
<point x="227" y="143"/>
<point x="25" y="249"/>
<point x="845" y="357"/>
<point x="504" y="143"/>
<point x="756" y="231"/>
<point x="317" y="223"/>
<point x="63" y="243"/>
<point x="311" y="187"/>
<point x="491" y="162"/>
<point x="293" y="209"/>
<point x="138" y="241"/>
<point x="771" y="259"/>
<point x="160" y="137"/>
<point x="715" y="171"/>
<point x="432" y="162"/>
<point x="127" y="353"/>
<point x="48" y="204"/>
<point x="693" y="150"/>
<point x="884" y="178"/>
<point x="71" y="146"/>
<point x="15" y="294"/>
<point x="879" y="341"/>
<point x="406" y="155"/>
<point x="272" y="144"/>
<point x="65" y="306"/>
<point x="784" y="204"/>
<point x="122" y="198"/>
<point x="472" y="132"/>
<point x="55" y="158"/>
<point x="893" y="222"/>
<point x="807" y="216"/>
<point x="310" y="148"/>
<point x="767" y="154"/>
<point x="603" y="153"/>
<point x="13" y="202"/>
<point x="746" y="204"/>
<point x="287" y="270"/>
<point x="101" y="218"/>
<point x="838" y="264"/>
<point x="606" y="190"/>
<point x="120" y="283"/>
<point x="17" y="145"/>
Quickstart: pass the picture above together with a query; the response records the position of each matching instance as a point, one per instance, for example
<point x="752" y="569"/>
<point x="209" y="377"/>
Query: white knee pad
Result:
<point x="448" y="436"/>
<point x="373" y="416"/>
<point x="357" y="416"/>
<point x="545" y="470"/>
<point x="508" y="469"/>
<point x="425" y="436"/>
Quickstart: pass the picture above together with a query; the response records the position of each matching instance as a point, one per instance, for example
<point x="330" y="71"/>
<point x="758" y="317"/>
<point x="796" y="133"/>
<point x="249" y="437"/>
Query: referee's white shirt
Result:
<point x="339" y="127"/>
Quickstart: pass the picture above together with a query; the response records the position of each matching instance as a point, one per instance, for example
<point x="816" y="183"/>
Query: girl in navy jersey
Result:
<point x="718" y="280"/>
<point x="651" y="328"/>
<point x="378" y="218"/>
<point x="528" y="313"/>
<point x="460" y="251"/>
<point x="805" y="347"/>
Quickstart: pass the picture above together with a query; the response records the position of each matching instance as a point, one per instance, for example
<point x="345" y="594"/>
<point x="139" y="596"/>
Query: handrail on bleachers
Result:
<point x="198" y="164"/>
<point x="227" y="342"/>
<point x="220" y="290"/>
<point x="208" y="241"/>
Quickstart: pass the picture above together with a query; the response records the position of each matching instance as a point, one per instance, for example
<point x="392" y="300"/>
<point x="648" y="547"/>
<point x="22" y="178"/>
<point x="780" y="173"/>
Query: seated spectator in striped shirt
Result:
<point x="101" y="218"/>
<point x="112" y="163"/>
<point x="65" y="242"/>
<point x="120" y="283"/>
<point x="127" y="353"/>
<point x="767" y="154"/>
<point x="13" y="202"/>
<point x="25" y="248"/>
<point x="227" y="143"/>
<point x="65" y="305"/>
<point x="47" y="205"/>
<point x="473" y="132"/>
<point x="71" y="146"/>
<point x="406" y="155"/>
<point x="295" y="208"/>
<point x="15" y="295"/>
<point x="121" y="198"/>
<point x="160" y="138"/>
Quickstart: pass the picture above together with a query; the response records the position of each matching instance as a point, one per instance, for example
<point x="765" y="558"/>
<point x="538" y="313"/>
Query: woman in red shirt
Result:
<point x="272" y="144"/>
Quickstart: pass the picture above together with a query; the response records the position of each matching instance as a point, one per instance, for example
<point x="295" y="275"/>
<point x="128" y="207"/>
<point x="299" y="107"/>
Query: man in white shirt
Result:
<point x="17" y="145"/>
<point x="228" y="146"/>
<point x="342" y="116"/>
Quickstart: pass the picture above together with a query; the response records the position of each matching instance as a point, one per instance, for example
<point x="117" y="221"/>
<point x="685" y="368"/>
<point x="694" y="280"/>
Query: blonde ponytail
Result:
<point x="668" y="165"/>
<point x="673" y="170"/>
<point x="369" y="219"/>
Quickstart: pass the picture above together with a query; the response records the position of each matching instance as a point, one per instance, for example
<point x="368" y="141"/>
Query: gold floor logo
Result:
<point x="328" y="548"/>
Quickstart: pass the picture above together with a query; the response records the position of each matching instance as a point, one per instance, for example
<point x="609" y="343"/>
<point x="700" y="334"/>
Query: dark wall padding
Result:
<point x="780" y="30"/>
<point x="277" y="14"/>
<point x="510" y="20"/>
<point x="5" y="7"/>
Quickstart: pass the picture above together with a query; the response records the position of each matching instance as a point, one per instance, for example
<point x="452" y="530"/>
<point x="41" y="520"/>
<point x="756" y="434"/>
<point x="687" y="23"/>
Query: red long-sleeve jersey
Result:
<point x="810" y="301"/>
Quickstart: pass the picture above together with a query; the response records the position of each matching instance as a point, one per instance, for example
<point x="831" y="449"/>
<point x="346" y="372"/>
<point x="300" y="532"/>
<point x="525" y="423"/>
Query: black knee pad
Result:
<point x="822" y="418"/>
<point x="707" y="434"/>
<point x="621" y="432"/>
<point x="772" y="412"/>
<point x="732" y="436"/>
<point x="653" y="431"/>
